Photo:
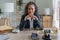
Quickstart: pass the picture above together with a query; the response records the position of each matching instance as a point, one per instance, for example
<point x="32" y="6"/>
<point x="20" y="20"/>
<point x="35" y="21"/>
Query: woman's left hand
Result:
<point x="35" y="17"/>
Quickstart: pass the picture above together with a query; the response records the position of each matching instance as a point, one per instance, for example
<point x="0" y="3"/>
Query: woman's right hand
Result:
<point x="26" y="17"/>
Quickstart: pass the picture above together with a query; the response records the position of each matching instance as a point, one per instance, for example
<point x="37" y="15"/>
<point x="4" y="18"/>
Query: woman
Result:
<point x="30" y="19"/>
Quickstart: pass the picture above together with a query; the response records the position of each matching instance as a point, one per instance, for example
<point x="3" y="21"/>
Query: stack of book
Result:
<point x="5" y="28"/>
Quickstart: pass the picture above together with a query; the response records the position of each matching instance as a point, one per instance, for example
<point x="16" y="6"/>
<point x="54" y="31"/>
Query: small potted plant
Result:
<point x="20" y="2"/>
<point x="0" y="11"/>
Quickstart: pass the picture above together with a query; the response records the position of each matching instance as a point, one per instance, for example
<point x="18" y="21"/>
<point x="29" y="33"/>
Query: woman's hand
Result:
<point x="26" y="17"/>
<point x="31" y="16"/>
<point x="35" y="17"/>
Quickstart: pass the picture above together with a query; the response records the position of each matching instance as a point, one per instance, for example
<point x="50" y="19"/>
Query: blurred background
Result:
<point x="45" y="7"/>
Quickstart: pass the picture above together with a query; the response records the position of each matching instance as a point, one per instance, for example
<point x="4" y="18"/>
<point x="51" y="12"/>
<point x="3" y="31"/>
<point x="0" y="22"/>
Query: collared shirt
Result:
<point x="31" y="21"/>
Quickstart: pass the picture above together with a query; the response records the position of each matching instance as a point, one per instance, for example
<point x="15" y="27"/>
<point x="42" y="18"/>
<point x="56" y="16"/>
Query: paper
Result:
<point x="15" y="31"/>
<point x="4" y="37"/>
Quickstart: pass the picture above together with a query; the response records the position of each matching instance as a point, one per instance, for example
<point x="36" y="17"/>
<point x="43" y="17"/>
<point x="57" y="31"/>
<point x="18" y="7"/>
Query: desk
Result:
<point x="25" y="35"/>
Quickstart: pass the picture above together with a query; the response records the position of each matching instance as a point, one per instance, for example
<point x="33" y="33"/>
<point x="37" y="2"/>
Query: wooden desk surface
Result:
<point x="25" y="35"/>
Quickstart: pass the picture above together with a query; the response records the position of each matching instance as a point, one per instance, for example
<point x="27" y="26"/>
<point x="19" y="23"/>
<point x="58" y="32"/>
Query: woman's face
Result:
<point x="31" y="9"/>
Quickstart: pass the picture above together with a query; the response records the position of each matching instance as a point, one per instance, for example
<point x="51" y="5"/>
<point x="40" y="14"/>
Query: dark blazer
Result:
<point x="26" y="24"/>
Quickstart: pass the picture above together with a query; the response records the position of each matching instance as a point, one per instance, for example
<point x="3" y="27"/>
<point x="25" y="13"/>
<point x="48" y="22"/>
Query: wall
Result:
<point x="12" y="15"/>
<point x="56" y="14"/>
<point x="40" y="3"/>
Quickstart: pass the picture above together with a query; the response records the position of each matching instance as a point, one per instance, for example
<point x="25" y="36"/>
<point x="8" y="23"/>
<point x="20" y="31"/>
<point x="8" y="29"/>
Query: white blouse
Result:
<point x="31" y="21"/>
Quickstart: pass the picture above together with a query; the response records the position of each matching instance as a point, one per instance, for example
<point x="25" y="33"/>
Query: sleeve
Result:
<point x="39" y="22"/>
<point x="22" y="22"/>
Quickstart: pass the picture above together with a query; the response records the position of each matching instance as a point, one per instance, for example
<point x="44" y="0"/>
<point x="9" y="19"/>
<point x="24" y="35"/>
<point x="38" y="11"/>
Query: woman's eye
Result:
<point x="30" y="8"/>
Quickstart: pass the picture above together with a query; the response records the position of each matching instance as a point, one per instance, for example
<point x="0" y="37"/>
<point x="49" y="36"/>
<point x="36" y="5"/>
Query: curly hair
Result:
<point x="26" y="8"/>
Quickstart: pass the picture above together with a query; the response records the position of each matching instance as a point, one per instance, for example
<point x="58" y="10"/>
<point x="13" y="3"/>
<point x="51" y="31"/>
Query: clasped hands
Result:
<point x="31" y="16"/>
